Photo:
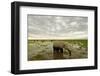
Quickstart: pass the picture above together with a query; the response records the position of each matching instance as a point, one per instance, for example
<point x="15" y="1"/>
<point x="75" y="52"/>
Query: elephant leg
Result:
<point x="55" y="52"/>
<point x="58" y="53"/>
<point x="61" y="50"/>
<point x="61" y="53"/>
<point x="54" y="49"/>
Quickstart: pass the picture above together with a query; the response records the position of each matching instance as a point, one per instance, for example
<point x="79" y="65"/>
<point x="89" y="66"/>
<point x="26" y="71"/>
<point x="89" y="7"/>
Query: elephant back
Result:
<point x="58" y="44"/>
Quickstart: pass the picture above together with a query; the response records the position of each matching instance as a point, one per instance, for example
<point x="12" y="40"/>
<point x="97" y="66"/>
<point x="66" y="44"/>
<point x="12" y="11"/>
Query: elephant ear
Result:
<point x="66" y="45"/>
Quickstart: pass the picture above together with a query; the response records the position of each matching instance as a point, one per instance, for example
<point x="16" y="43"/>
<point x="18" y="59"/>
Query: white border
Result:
<point x="26" y="65"/>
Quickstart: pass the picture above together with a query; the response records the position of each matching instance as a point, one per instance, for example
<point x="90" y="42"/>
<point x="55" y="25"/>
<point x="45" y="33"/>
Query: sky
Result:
<point x="57" y="27"/>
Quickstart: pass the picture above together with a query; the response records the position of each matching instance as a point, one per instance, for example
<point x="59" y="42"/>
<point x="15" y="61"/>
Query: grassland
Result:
<point x="43" y="49"/>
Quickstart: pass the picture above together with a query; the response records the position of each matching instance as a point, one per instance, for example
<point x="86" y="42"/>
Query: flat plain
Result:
<point x="43" y="49"/>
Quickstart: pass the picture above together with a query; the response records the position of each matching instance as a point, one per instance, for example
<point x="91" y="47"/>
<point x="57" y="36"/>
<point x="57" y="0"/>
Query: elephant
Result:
<point x="59" y="46"/>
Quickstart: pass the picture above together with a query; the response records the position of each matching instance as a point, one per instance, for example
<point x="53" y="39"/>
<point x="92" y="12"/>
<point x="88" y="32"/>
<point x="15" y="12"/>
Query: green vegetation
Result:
<point x="43" y="49"/>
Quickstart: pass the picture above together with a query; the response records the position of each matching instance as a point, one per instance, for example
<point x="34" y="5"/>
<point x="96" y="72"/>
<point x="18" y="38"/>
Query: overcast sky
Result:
<point x="61" y="27"/>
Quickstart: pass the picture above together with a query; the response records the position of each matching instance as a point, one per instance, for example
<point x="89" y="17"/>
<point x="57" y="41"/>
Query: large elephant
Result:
<point x="58" y="47"/>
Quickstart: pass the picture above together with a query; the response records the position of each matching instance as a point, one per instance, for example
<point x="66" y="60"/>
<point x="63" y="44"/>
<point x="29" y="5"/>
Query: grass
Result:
<point x="43" y="49"/>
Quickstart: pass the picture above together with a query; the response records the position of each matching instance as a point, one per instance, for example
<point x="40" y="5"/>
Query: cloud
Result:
<point x="43" y="26"/>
